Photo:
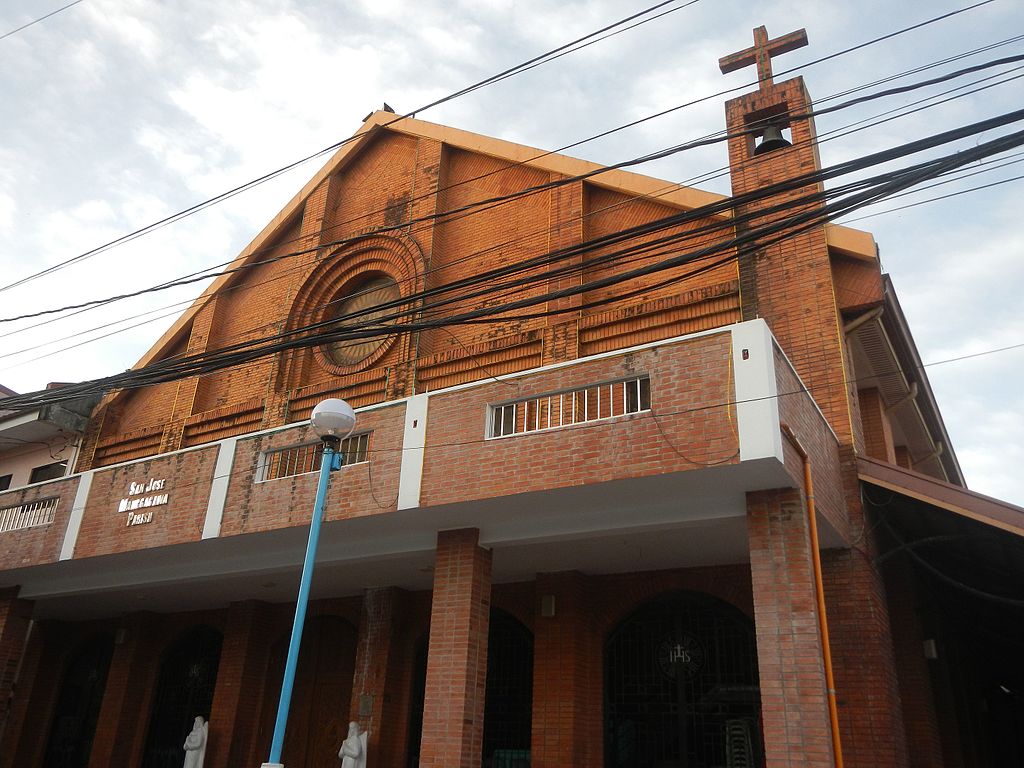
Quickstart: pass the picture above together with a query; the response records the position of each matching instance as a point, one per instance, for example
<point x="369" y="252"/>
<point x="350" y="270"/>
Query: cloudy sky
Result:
<point x="117" y="113"/>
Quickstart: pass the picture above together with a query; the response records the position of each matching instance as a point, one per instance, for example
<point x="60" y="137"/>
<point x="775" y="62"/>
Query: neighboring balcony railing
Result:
<point x="28" y="515"/>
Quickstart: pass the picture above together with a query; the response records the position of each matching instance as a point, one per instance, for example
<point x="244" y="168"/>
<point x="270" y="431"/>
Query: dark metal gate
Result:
<point x="681" y="687"/>
<point x="78" y="706"/>
<point x="508" y="707"/>
<point x="188" y="675"/>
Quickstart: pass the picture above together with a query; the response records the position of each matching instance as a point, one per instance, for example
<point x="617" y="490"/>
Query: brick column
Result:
<point x="238" y="695"/>
<point x="374" y="691"/>
<point x="566" y="682"/>
<point x="124" y="716"/>
<point x="15" y="615"/>
<point x="870" y="715"/>
<point x="453" y="719"/>
<point x="794" y="703"/>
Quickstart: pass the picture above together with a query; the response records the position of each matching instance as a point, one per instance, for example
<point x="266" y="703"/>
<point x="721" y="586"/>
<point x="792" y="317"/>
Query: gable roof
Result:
<point x="634" y="184"/>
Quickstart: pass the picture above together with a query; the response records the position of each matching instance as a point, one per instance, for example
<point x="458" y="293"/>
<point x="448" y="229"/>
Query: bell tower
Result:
<point x="786" y="280"/>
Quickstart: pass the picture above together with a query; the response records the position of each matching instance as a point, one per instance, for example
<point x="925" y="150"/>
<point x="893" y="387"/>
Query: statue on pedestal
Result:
<point x="195" y="744"/>
<point x="353" y="749"/>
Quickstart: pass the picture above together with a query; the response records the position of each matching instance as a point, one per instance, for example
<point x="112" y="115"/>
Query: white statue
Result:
<point x="195" y="744"/>
<point x="353" y="749"/>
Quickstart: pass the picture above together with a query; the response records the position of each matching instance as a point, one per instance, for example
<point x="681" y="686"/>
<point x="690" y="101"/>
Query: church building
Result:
<point x="642" y="477"/>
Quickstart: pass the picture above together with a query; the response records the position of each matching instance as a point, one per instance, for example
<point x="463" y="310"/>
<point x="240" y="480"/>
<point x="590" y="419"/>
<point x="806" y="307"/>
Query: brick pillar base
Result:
<point x="794" y="701"/>
<point x="566" y="682"/>
<point x="237" y="698"/>
<point x="124" y="716"/>
<point x="15" y="616"/>
<point x="453" y="719"/>
<point x="870" y="717"/>
<point x="376" y="671"/>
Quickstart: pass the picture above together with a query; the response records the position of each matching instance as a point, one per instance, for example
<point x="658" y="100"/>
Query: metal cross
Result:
<point x="761" y="53"/>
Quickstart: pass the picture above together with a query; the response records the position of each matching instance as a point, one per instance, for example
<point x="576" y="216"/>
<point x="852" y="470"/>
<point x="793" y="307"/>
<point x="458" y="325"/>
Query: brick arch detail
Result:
<point x="394" y="254"/>
<point x="731" y="585"/>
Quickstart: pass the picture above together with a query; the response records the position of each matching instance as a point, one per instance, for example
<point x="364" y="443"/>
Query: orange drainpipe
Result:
<point x="819" y="588"/>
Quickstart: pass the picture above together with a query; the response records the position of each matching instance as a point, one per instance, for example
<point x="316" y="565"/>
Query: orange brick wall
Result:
<point x="798" y="413"/>
<point x="689" y="384"/>
<point x="877" y="427"/>
<point x="607" y="212"/>
<point x="34" y="546"/>
<point x="793" y="694"/>
<point x="360" y="489"/>
<point x="188" y="474"/>
<point x="392" y="180"/>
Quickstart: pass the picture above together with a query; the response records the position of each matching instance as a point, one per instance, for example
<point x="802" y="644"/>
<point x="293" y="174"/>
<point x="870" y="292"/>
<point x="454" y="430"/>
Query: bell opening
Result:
<point x="773" y="138"/>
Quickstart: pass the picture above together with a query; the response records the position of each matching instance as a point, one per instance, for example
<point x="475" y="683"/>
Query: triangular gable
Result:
<point x="618" y="180"/>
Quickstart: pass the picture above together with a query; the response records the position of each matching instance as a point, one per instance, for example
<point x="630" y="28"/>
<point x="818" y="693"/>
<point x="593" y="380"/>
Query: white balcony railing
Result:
<point x="575" y="406"/>
<point x="28" y="515"/>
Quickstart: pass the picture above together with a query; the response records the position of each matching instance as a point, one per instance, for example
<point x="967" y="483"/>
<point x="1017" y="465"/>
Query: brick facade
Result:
<point x="569" y="530"/>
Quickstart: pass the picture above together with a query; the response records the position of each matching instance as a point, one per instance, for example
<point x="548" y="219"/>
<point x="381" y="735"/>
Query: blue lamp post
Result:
<point x="333" y="420"/>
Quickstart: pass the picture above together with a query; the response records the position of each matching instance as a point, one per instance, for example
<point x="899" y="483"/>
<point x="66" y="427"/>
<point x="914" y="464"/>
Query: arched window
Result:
<point x="78" y="705"/>
<point x="681" y="687"/>
<point x="188" y="675"/>
<point x="508" y="705"/>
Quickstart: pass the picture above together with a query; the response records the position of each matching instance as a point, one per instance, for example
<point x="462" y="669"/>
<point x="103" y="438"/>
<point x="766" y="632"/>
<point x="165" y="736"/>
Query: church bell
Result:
<point x="771" y="140"/>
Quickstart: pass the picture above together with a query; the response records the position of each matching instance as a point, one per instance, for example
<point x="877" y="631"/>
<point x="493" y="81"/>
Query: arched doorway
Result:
<point x="319" y="713"/>
<point x="78" y="705"/>
<point x="681" y="687"/>
<point x="188" y="675"/>
<point x="508" y="702"/>
<point x="416" y="700"/>
<point x="508" y="707"/>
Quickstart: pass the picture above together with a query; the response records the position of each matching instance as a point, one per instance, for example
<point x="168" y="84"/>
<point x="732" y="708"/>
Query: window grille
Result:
<point x="28" y="515"/>
<point x="305" y="458"/>
<point x="575" y="406"/>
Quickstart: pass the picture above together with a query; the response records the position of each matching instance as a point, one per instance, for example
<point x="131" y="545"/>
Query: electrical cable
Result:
<point x="284" y="169"/>
<point x="895" y="183"/>
<point x="41" y="18"/>
<point x="266" y="177"/>
<point x="554" y="184"/>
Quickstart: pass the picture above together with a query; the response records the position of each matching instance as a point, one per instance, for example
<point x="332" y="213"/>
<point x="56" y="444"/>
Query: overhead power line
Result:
<point x="861" y="193"/>
<point x="41" y="18"/>
<point x="819" y="138"/>
<point x="494" y="78"/>
<point x="576" y="44"/>
<point x="485" y="203"/>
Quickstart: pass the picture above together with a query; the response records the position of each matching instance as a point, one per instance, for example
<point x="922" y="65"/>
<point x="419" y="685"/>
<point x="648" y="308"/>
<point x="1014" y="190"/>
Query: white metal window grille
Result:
<point x="574" y="406"/>
<point x="305" y="458"/>
<point x="28" y="515"/>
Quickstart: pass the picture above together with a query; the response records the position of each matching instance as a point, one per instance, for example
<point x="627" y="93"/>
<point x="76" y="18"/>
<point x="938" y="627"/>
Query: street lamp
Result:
<point x="333" y="420"/>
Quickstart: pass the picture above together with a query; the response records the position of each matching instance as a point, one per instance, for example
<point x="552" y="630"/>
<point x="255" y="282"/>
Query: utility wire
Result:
<point x="273" y="174"/>
<point x="887" y="184"/>
<point x="535" y="61"/>
<point x="273" y="324"/>
<point x="491" y="201"/>
<point x="41" y="18"/>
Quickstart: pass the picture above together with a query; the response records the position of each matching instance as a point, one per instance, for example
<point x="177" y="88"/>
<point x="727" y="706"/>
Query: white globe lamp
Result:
<point x="333" y="419"/>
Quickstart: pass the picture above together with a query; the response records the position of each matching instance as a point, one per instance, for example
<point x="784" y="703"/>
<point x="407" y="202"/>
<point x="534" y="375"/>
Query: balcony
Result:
<point x="632" y="459"/>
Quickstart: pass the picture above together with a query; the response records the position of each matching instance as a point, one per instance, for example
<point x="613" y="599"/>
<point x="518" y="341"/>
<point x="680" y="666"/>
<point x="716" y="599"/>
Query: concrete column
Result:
<point x="794" y="702"/>
<point x="453" y="720"/>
